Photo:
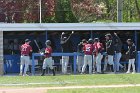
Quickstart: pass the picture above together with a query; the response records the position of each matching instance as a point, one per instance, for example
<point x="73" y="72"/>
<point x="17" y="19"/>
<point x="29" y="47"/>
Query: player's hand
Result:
<point x="72" y="32"/>
<point x="63" y="33"/>
<point x="115" y="33"/>
<point x="41" y="53"/>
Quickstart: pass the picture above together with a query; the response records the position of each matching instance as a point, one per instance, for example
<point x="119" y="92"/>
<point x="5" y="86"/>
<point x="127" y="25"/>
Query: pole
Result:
<point x="91" y="34"/>
<point x="40" y="14"/>
<point x="119" y="10"/>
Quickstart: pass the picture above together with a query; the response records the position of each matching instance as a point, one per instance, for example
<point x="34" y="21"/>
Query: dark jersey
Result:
<point x="110" y="47"/>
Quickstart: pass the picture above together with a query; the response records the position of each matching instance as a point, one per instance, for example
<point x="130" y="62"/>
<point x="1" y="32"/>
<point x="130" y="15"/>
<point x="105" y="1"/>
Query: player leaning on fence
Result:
<point x="48" y="58"/>
<point x="131" y="54"/>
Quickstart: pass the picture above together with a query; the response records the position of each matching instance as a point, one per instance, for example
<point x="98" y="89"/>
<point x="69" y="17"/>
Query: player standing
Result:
<point x="80" y="58"/>
<point x="132" y="54"/>
<point x="25" y="49"/>
<point x="98" y="54"/>
<point x="118" y="48"/>
<point x="48" y="58"/>
<point x="88" y="51"/>
<point x="65" y="49"/>
<point x="110" y="51"/>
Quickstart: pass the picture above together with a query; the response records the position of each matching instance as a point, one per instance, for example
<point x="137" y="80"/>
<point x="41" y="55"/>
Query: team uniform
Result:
<point x="80" y="58"/>
<point x="110" y="53"/>
<point x="88" y="51"/>
<point x="48" y="60"/>
<point x="25" y="58"/>
<point x="132" y="54"/>
<point x="98" y="55"/>
<point x="65" y="49"/>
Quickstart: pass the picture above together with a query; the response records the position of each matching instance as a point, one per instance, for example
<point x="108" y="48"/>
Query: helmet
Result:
<point x="27" y="40"/>
<point x="90" y="41"/>
<point x="96" y="40"/>
<point x="48" y="42"/>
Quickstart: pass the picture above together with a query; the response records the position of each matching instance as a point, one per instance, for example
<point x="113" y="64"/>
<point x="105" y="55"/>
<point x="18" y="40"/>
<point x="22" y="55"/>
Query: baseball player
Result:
<point x="25" y="49"/>
<point x="132" y="54"/>
<point x="80" y="58"/>
<point x="98" y="54"/>
<point x="48" y="58"/>
<point x="110" y="51"/>
<point x="88" y="52"/>
<point x="65" y="49"/>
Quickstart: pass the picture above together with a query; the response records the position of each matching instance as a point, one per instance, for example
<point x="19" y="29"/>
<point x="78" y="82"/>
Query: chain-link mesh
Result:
<point x="67" y="11"/>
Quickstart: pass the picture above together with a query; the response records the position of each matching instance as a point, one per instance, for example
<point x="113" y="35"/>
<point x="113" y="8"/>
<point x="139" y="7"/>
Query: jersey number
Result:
<point x="24" y="48"/>
<point x="88" y="49"/>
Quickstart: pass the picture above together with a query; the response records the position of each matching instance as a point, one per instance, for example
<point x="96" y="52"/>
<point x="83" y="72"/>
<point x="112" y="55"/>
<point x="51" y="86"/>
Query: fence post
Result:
<point x="74" y="65"/>
<point x="33" y="64"/>
<point x="138" y="62"/>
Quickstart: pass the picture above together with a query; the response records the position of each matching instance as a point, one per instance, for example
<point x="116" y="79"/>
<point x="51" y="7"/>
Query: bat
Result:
<point x="37" y="45"/>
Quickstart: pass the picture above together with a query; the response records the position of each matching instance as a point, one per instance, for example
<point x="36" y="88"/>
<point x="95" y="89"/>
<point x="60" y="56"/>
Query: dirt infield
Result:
<point x="44" y="89"/>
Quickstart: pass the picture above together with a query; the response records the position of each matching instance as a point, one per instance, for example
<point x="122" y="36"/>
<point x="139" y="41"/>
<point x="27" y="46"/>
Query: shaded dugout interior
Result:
<point x="13" y="40"/>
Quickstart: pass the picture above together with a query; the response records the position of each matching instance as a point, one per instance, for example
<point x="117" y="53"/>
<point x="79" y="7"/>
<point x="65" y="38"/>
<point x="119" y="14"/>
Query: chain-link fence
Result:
<point x="67" y="11"/>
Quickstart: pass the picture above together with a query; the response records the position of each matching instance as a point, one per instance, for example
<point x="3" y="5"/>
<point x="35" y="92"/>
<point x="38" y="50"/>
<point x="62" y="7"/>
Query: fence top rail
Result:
<point x="67" y="26"/>
<point x="59" y="54"/>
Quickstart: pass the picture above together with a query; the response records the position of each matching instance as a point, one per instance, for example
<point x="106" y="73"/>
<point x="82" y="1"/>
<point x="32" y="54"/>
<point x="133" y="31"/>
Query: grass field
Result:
<point x="69" y="80"/>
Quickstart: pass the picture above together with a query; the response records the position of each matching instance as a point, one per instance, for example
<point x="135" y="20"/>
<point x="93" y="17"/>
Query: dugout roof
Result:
<point x="67" y="26"/>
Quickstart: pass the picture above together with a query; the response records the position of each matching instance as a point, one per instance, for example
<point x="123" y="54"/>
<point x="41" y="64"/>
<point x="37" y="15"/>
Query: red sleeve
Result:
<point x="31" y="48"/>
<point x="84" y="48"/>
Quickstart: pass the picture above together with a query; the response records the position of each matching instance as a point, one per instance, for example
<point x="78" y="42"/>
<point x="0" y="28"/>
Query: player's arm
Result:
<point x="118" y="38"/>
<point x="69" y="37"/>
<point x="109" y="44"/>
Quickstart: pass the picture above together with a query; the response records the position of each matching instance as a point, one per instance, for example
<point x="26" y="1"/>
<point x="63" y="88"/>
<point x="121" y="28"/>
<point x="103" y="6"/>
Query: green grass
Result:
<point x="99" y="90"/>
<point x="69" y="80"/>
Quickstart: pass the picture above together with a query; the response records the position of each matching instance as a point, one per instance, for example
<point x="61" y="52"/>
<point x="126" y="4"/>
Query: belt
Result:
<point x="24" y="55"/>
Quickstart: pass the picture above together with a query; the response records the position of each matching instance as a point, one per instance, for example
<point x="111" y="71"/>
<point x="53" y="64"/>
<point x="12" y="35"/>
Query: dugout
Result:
<point x="53" y="31"/>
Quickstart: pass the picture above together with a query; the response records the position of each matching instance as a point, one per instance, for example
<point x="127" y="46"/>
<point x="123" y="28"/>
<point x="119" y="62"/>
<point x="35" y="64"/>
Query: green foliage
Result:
<point x="69" y="11"/>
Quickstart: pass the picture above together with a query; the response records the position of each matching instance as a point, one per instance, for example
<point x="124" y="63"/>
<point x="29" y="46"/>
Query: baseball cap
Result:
<point x="27" y="40"/>
<point x="108" y="34"/>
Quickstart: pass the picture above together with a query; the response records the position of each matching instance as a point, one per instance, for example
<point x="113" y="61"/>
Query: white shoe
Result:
<point x="20" y="74"/>
<point x="133" y="72"/>
<point x="25" y="75"/>
<point x="128" y="72"/>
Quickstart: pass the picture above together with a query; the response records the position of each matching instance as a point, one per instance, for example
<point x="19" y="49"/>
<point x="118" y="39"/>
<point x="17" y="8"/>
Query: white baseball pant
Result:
<point x="48" y="62"/>
<point x="110" y="60"/>
<point x="65" y="61"/>
<point x="131" y="62"/>
<point x="25" y="60"/>
<point x="87" y="61"/>
<point x="80" y="62"/>
<point x="98" y="62"/>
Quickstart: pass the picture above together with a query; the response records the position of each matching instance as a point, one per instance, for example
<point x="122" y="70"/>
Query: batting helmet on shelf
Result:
<point x="48" y="42"/>
<point x="90" y="41"/>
